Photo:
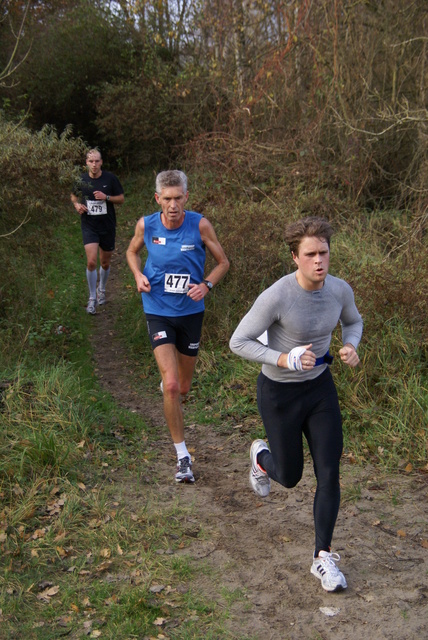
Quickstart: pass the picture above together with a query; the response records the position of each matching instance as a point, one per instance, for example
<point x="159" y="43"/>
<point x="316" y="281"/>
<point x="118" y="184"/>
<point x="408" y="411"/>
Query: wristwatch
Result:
<point x="107" y="198"/>
<point x="208" y="284"/>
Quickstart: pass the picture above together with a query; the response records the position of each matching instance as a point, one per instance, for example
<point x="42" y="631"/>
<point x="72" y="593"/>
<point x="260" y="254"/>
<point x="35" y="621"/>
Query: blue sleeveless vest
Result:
<point x="173" y="255"/>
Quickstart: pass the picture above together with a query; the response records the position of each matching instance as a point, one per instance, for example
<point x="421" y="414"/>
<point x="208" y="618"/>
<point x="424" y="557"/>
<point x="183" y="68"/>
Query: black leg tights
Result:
<point x="289" y="410"/>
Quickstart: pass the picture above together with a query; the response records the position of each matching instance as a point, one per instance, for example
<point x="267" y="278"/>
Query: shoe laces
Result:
<point x="183" y="464"/>
<point x="329" y="562"/>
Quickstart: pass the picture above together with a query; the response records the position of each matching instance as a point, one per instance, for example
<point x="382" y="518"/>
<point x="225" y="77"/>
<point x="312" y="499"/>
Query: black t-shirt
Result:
<point x="101" y="214"/>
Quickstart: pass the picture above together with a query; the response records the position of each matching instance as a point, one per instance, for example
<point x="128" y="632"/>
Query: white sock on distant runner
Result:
<point x="103" y="278"/>
<point x="181" y="450"/>
<point x="91" y="277"/>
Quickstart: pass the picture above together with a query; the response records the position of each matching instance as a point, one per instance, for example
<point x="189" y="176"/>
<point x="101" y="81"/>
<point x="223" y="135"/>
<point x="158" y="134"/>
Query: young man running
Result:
<point x="94" y="199"/>
<point x="173" y="288"/>
<point x="295" y="391"/>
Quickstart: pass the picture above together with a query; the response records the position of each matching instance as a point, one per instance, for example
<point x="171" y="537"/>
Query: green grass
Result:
<point x="65" y="527"/>
<point x="65" y="521"/>
<point x="351" y="493"/>
<point x="384" y="401"/>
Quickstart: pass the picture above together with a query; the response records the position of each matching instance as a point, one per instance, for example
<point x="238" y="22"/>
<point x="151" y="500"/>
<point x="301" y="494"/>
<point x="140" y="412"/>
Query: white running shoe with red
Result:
<point x="259" y="479"/>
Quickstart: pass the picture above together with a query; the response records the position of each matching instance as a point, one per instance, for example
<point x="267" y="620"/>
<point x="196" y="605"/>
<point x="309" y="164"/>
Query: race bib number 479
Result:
<point x="177" y="282"/>
<point x="96" y="207"/>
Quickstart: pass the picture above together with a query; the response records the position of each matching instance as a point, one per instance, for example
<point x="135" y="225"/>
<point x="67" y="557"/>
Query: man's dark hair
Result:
<point x="311" y="227"/>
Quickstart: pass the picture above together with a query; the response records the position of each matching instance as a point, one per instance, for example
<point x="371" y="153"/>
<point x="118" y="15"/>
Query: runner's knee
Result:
<point x="171" y="388"/>
<point x="289" y="483"/>
<point x="287" y="479"/>
<point x="328" y="479"/>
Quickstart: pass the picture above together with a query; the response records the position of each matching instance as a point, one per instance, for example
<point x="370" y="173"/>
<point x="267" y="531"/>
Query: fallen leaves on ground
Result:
<point x="47" y="594"/>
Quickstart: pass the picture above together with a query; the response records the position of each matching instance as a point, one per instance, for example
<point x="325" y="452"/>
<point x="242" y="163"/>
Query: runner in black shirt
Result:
<point x="94" y="199"/>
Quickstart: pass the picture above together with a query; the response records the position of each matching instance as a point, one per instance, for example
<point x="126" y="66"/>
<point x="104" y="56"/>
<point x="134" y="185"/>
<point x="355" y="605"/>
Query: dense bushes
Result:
<point x="332" y="94"/>
<point x="37" y="171"/>
<point x="324" y="117"/>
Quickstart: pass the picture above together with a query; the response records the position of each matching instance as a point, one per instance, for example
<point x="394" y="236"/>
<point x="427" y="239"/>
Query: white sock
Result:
<point x="103" y="278"/>
<point x="91" y="277"/>
<point x="181" y="450"/>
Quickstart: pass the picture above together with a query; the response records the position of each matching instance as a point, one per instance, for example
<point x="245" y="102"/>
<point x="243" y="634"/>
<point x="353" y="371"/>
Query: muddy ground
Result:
<point x="264" y="547"/>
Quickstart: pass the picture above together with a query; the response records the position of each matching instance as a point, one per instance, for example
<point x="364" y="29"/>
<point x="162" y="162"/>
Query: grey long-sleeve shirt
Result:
<point x="296" y="317"/>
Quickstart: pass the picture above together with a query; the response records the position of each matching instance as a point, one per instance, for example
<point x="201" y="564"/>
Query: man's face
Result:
<point x="172" y="201"/>
<point x="313" y="260"/>
<point x="94" y="163"/>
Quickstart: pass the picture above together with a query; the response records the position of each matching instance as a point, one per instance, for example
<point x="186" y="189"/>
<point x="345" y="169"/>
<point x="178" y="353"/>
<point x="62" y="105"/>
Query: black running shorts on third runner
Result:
<point x="183" y="331"/>
<point x="105" y="238"/>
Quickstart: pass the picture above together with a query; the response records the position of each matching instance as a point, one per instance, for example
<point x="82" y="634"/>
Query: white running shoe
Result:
<point x="325" y="569"/>
<point x="91" y="307"/>
<point x="101" y="296"/>
<point x="184" y="470"/>
<point x="259" y="479"/>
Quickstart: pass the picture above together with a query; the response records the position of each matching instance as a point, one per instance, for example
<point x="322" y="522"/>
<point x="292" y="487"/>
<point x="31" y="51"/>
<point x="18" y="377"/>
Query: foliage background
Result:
<point x="275" y="109"/>
<point x="334" y="92"/>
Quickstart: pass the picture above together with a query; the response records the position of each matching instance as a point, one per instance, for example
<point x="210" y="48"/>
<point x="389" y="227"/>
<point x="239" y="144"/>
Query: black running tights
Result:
<point x="288" y="411"/>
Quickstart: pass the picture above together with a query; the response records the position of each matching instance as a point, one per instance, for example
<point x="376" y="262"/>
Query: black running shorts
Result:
<point x="104" y="238"/>
<point x="183" y="331"/>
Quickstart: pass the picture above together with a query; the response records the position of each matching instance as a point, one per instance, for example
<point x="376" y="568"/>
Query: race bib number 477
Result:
<point x="96" y="207"/>
<point x="177" y="282"/>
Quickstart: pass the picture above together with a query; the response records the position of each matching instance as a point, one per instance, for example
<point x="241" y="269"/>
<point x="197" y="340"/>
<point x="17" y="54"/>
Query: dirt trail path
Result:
<point x="264" y="547"/>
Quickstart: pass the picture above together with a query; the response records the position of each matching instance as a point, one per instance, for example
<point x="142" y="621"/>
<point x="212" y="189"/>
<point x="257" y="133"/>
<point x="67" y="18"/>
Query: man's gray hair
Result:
<point x="171" y="178"/>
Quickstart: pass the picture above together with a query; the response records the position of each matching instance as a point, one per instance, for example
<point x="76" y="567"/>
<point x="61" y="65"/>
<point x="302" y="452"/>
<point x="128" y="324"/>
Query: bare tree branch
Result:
<point x="6" y="235"/>
<point x="11" y="66"/>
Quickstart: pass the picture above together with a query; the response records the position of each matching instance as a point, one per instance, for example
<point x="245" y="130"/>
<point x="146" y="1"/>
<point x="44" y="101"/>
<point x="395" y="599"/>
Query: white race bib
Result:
<point x="96" y="207"/>
<point x="177" y="282"/>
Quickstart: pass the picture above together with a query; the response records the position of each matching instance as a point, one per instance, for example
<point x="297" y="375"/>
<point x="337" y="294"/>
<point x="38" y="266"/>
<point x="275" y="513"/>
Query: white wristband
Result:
<point x="293" y="360"/>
